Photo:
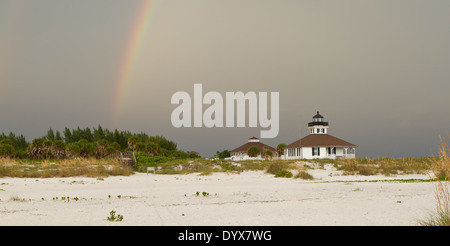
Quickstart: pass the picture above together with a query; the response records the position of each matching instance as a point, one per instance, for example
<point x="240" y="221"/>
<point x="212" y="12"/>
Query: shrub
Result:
<point x="304" y="175"/>
<point x="365" y="170"/>
<point x="144" y="160"/>
<point x="284" y="174"/>
<point x="276" y="167"/>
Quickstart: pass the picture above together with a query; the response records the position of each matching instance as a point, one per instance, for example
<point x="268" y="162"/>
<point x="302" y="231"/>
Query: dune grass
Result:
<point x="383" y="165"/>
<point x="440" y="169"/>
<point x="92" y="167"/>
<point x="88" y="167"/>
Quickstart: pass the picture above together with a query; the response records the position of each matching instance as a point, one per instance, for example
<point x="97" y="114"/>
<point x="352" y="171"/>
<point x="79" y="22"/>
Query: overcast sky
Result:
<point x="378" y="71"/>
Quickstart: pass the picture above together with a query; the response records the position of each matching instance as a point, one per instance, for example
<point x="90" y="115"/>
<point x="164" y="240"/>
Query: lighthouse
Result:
<point x="318" y="125"/>
<point x="319" y="144"/>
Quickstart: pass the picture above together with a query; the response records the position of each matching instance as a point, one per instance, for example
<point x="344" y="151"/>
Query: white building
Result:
<point x="240" y="153"/>
<point x="319" y="144"/>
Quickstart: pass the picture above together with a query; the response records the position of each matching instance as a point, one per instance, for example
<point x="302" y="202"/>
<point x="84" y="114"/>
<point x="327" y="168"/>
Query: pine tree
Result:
<point x="67" y="135"/>
<point x="50" y="135"/>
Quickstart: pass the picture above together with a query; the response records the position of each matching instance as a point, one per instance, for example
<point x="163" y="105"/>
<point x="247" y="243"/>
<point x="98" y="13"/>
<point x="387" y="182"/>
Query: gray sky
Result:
<point x="378" y="71"/>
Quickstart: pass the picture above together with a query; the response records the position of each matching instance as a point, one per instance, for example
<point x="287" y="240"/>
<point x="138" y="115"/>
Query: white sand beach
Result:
<point x="250" y="198"/>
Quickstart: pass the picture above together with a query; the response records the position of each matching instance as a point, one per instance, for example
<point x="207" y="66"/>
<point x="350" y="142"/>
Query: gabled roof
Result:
<point x="320" y="140"/>
<point x="245" y="147"/>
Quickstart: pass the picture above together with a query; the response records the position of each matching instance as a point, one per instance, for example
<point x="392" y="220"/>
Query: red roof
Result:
<point x="320" y="140"/>
<point x="245" y="147"/>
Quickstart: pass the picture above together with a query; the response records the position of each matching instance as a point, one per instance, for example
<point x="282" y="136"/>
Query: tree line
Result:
<point x="96" y="142"/>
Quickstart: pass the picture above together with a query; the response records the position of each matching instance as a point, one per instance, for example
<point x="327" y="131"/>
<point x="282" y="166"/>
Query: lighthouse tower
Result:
<point x="318" y="126"/>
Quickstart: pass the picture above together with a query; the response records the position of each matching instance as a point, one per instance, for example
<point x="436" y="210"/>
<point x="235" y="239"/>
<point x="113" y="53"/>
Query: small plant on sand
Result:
<point x="112" y="216"/>
<point x="16" y="199"/>
<point x="304" y="175"/>
<point x="284" y="174"/>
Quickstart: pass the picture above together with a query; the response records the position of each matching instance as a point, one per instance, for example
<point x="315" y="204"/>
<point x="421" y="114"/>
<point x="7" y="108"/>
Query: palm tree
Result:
<point x="140" y="147"/>
<point x="152" y="148"/>
<point x="132" y="141"/>
<point x="268" y="154"/>
<point x="35" y="150"/>
<point x="280" y="149"/>
<point x="58" y="149"/>
<point x="253" y="151"/>
<point x="6" y="148"/>
<point x="102" y="144"/>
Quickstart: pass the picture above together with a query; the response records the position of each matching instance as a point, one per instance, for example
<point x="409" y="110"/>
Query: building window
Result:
<point x="331" y="150"/>
<point x="315" y="151"/>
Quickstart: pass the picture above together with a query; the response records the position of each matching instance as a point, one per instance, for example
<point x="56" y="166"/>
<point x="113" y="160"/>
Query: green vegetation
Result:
<point x="94" y="153"/>
<point x="304" y="175"/>
<point x="253" y="151"/>
<point x="112" y="216"/>
<point x="383" y="165"/>
<point x="83" y="152"/>
<point x="277" y="166"/>
<point x="280" y="149"/>
<point x="222" y="154"/>
<point x="96" y="142"/>
<point x="284" y="173"/>
<point x="182" y="164"/>
<point x="88" y="167"/>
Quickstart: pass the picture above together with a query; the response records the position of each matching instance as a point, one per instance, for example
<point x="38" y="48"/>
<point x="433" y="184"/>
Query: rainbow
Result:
<point x="137" y="37"/>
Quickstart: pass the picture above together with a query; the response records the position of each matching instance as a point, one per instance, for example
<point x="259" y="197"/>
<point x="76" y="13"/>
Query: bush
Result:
<point x="276" y="167"/>
<point x="365" y="170"/>
<point x="144" y="160"/>
<point x="304" y="175"/>
<point x="283" y="174"/>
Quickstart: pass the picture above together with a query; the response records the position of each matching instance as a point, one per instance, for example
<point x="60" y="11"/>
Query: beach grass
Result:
<point x="87" y="167"/>
<point x="440" y="169"/>
<point x="384" y="165"/>
<point x="92" y="167"/>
